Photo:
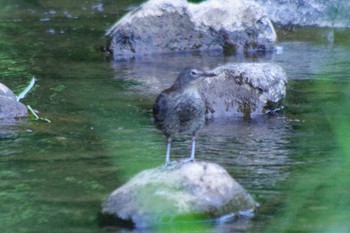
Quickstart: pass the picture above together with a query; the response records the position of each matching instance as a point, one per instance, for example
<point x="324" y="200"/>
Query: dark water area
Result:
<point x="55" y="176"/>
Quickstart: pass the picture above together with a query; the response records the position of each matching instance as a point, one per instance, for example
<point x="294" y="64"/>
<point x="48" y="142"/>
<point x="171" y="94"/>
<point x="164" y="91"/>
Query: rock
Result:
<point x="180" y="192"/>
<point x="162" y="26"/>
<point x="308" y="12"/>
<point x="9" y="106"/>
<point x="245" y="88"/>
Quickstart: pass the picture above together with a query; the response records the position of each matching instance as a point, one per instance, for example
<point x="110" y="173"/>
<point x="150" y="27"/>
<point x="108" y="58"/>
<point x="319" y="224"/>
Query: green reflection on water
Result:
<point x="318" y="197"/>
<point x="54" y="177"/>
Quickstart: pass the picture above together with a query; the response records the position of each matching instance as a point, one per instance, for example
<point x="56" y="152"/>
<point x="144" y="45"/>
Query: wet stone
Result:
<point x="179" y="192"/>
<point x="163" y="26"/>
<point x="245" y="89"/>
<point x="9" y="106"/>
<point x="307" y="12"/>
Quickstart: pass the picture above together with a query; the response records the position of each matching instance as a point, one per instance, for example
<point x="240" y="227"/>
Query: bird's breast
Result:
<point x="180" y="112"/>
<point x="192" y="93"/>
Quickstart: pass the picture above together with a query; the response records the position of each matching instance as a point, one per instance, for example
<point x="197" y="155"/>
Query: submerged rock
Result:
<point x="180" y="192"/>
<point x="9" y="106"/>
<point x="162" y="26"/>
<point x="245" y="88"/>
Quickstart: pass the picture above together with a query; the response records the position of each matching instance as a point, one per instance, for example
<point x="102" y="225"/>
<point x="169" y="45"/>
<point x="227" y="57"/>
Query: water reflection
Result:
<point x="239" y="225"/>
<point x="257" y="146"/>
<point x="157" y="72"/>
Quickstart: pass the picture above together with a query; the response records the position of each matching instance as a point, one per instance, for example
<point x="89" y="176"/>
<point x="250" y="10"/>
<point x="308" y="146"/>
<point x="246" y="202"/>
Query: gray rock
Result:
<point x="245" y="88"/>
<point x="9" y="106"/>
<point x="308" y="12"/>
<point x="162" y="26"/>
<point x="182" y="191"/>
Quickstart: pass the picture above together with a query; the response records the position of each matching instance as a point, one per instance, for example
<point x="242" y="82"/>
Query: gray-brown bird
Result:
<point x="180" y="108"/>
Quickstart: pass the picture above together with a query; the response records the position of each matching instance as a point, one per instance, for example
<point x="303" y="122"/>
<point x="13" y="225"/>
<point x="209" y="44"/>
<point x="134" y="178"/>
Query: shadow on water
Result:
<point x="239" y="225"/>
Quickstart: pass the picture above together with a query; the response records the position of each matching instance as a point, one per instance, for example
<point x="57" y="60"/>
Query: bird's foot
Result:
<point x="188" y="160"/>
<point x="168" y="165"/>
<point x="165" y="165"/>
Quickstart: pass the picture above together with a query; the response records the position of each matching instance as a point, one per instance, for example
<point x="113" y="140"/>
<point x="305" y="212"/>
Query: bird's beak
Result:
<point x="208" y="74"/>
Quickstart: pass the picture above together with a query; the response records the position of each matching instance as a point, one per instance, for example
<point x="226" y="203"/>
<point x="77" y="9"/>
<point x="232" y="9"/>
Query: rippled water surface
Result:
<point x="54" y="177"/>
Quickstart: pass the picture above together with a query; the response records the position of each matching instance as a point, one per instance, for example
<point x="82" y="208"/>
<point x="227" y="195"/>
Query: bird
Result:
<point x="180" y="109"/>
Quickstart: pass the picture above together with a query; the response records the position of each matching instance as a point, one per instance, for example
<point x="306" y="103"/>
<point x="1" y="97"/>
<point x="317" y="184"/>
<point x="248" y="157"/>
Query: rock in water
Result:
<point x="308" y="12"/>
<point x="163" y="26"/>
<point x="244" y="88"/>
<point x="186" y="192"/>
<point x="9" y="107"/>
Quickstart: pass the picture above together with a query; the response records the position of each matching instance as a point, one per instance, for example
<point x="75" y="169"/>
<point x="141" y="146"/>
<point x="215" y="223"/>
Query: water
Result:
<point x="54" y="177"/>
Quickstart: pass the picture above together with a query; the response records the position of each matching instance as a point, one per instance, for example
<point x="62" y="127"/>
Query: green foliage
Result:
<point x="317" y="199"/>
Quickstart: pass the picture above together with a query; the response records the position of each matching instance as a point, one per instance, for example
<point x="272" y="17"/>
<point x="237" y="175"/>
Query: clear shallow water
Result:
<point x="54" y="177"/>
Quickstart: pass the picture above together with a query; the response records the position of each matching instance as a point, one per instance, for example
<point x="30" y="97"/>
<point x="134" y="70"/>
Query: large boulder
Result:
<point x="9" y="106"/>
<point x="308" y="12"/>
<point x="179" y="192"/>
<point x="244" y="88"/>
<point x="162" y="26"/>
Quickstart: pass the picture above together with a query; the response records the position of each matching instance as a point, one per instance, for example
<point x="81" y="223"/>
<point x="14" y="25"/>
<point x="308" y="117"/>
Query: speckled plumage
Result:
<point x="179" y="112"/>
<point x="180" y="108"/>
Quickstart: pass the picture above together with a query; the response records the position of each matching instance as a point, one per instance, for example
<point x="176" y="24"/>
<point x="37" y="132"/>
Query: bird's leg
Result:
<point x="193" y="148"/>
<point x="167" y="156"/>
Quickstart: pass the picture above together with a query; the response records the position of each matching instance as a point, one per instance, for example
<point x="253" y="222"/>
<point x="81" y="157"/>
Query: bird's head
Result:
<point x="191" y="76"/>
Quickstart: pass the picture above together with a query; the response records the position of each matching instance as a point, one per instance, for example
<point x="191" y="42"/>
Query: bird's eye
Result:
<point x="194" y="72"/>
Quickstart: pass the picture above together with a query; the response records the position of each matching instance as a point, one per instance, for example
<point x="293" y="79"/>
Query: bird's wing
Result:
<point x="160" y="108"/>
